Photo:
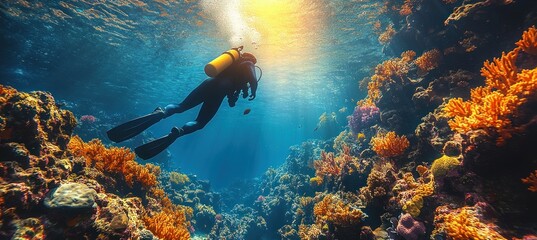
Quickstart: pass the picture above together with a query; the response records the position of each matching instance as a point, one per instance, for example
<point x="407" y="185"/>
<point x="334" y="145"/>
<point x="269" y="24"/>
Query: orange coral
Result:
<point x="501" y="73"/>
<point x="464" y="223"/>
<point x="428" y="60"/>
<point x="333" y="209"/>
<point x="389" y="144"/>
<point x="5" y="93"/>
<point x="168" y="224"/>
<point x="491" y="106"/>
<point x="406" y="9"/>
<point x="528" y="43"/>
<point x="333" y="166"/>
<point x="389" y="71"/>
<point x="387" y="35"/>
<point x="532" y="181"/>
<point x="114" y="160"/>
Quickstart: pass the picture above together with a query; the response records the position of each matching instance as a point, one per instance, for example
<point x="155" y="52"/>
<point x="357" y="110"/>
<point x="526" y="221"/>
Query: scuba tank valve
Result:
<point x="219" y="64"/>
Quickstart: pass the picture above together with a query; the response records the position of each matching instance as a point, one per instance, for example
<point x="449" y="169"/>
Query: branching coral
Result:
<point x="178" y="178"/>
<point x="168" y="224"/>
<point x="528" y="43"/>
<point x="115" y="160"/>
<point x="428" y="60"/>
<point x="389" y="71"/>
<point x="532" y="181"/>
<point x="309" y="232"/>
<point x="334" y="166"/>
<point x="491" y="107"/>
<point x="389" y="144"/>
<point x="463" y="223"/>
<point x="334" y="210"/>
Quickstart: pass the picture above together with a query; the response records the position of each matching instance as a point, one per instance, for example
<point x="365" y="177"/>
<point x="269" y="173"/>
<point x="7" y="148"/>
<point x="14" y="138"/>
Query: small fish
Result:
<point x="246" y="111"/>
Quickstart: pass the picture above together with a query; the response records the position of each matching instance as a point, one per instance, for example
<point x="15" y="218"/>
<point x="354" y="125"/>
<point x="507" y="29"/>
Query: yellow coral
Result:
<point x="410" y="192"/>
<point x="443" y="165"/>
<point x="389" y="144"/>
<point x="334" y="210"/>
<point x="528" y="43"/>
<point x="316" y="181"/>
<point x="178" y="178"/>
<point x="532" y="181"/>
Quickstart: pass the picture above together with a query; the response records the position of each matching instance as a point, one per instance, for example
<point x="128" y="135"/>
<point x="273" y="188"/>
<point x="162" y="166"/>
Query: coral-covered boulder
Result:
<point x="71" y="196"/>
<point x="34" y="120"/>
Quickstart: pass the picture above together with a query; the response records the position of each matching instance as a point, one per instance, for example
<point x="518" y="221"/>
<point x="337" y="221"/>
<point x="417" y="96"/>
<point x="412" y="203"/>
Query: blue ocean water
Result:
<point x="117" y="60"/>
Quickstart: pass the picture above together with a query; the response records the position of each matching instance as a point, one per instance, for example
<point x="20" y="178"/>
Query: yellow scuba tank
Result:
<point x="219" y="64"/>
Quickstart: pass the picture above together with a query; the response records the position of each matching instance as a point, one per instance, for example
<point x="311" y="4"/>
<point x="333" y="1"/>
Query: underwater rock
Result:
<point x="29" y="228"/>
<point x="71" y="196"/>
<point x="15" y="152"/>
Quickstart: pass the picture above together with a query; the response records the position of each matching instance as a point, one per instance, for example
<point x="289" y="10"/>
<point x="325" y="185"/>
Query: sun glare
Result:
<point x="287" y="28"/>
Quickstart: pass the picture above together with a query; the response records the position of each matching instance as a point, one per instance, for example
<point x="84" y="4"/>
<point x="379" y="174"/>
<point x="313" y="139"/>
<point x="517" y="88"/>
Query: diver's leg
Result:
<point x="196" y="97"/>
<point x="207" y="112"/>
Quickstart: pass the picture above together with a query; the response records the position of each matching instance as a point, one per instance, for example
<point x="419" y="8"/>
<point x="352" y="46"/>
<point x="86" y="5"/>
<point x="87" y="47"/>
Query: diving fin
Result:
<point x="156" y="146"/>
<point x="136" y="126"/>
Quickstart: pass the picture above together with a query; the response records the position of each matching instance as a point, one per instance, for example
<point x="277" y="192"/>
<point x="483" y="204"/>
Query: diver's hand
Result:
<point x="252" y="97"/>
<point x="244" y="94"/>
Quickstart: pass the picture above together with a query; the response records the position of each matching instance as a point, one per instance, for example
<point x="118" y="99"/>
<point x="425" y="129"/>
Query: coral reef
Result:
<point x="55" y="186"/>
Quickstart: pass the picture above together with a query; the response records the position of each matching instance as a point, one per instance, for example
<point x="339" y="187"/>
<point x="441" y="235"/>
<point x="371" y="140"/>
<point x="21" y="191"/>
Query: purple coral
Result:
<point x="362" y="117"/>
<point x="409" y="228"/>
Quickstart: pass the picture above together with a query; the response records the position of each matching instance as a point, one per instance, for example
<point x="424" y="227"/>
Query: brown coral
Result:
<point x="528" y="43"/>
<point x="389" y="144"/>
<point x="532" y="181"/>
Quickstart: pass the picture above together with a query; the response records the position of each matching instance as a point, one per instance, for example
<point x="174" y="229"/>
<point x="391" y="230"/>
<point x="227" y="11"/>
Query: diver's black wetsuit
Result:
<point x="212" y="91"/>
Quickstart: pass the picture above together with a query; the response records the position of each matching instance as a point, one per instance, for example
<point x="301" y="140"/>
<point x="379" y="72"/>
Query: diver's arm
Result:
<point x="249" y="75"/>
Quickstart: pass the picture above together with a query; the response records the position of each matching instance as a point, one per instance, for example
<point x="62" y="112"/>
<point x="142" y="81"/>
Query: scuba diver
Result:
<point x="231" y="73"/>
